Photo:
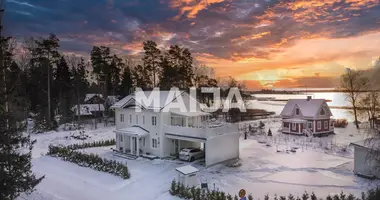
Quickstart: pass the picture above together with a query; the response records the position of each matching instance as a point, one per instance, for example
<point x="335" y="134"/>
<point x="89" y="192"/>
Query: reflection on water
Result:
<point x="337" y="99"/>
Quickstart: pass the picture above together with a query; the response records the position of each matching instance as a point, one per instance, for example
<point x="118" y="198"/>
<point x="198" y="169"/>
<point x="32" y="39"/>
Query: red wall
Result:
<point x="323" y="129"/>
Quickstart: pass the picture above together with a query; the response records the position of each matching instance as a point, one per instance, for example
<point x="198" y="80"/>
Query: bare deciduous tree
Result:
<point x="353" y="83"/>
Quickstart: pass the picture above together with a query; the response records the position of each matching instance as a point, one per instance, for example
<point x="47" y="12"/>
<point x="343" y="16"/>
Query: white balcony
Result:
<point x="201" y="133"/>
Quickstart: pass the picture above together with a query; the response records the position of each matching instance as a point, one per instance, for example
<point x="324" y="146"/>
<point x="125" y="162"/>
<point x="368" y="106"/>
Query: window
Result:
<point x="130" y="118"/>
<point x="297" y="111"/>
<point x="309" y="125"/>
<point x="154" y="143"/>
<point x="326" y="124"/>
<point x="154" y="120"/>
<point x="121" y="138"/>
<point x="294" y="126"/>
<point x="143" y="119"/>
<point x="137" y="119"/>
<point x="143" y="142"/>
<point x="322" y="112"/>
<point x="319" y="125"/>
<point x="121" y="117"/>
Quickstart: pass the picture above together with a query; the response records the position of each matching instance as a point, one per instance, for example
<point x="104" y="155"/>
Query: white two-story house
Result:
<point x="162" y="129"/>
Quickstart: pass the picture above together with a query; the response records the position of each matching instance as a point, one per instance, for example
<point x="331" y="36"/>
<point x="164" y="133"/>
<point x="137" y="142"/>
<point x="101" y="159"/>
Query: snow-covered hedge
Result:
<point x="92" y="161"/>
<point x="92" y="144"/>
<point x="193" y="193"/>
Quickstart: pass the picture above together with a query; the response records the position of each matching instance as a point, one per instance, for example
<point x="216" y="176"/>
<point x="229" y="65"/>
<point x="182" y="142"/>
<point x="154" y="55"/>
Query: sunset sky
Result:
<point x="266" y="43"/>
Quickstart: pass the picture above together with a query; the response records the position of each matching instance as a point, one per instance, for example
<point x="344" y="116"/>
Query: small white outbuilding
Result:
<point x="187" y="175"/>
<point x="364" y="164"/>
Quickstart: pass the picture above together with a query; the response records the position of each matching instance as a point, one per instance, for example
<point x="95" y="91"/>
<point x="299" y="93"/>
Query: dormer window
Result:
<point x="297" y="111"/>
<point x="322" y="112"/>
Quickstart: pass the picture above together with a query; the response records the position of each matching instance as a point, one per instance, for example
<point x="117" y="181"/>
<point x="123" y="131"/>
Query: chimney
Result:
<point x="308" y="98"/>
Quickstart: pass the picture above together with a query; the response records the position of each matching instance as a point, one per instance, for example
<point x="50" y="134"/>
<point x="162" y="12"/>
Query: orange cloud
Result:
<point x="191" y="7"/>
<point x="251" y="37"/>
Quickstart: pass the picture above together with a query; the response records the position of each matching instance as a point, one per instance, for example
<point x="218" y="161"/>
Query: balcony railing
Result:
<point x="203" y="132"/>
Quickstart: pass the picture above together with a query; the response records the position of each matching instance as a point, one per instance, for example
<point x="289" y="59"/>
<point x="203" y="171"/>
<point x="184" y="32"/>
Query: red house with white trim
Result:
<point x="307" y="117"/>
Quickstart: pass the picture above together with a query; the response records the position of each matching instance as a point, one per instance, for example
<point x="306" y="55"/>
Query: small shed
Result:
<point x="364" y="164"/>
<point x="187" y="175"/>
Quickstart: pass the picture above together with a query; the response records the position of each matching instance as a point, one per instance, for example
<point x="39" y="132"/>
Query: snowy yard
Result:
<point x="263" y="170"/>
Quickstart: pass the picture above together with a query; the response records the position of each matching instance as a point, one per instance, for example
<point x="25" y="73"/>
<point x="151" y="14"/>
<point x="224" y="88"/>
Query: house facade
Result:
<point x="307" y="117"/>
<point x="163" y="129"/>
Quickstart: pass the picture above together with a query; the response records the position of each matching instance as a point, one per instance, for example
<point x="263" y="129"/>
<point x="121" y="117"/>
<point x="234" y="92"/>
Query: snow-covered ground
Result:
<point x="319" y="165"/>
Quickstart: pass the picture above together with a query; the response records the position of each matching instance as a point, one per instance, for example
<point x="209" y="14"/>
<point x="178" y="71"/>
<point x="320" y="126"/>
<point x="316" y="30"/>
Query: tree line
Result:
<point x="48" y="83"/>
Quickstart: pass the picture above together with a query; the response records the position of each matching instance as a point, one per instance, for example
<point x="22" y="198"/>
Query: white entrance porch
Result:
<point x="131" y="140"/>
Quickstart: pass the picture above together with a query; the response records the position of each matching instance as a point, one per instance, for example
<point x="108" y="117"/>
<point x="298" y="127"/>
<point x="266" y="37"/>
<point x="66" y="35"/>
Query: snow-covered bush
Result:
<point x="340" y="123"/>
<point x="92" y="144"/>
<point x="92" y="161"/>
<point x="179" y="190"/>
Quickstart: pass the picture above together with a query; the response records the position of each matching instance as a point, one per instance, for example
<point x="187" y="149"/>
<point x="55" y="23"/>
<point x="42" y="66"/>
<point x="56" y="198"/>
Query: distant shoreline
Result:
<point x="300" y="91"/>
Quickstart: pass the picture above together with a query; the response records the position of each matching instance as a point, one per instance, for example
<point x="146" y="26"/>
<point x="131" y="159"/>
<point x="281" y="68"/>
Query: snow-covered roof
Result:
<point x="294" y="120"/>
<point x="371" y="143"/>
<point x="90" y="96"/>
<point x="87" y="109"/>
<point x="112" y="99"/>
<point x="133" y="130"/>
<point x="159" y="100"/>
<point x="308" y="108"/>
<point x="188" y="169"/>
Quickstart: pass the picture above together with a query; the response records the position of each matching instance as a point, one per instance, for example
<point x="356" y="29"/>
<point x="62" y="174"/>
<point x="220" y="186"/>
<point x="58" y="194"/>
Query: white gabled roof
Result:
<point x="164" y="99"/>
<point x="308" y="108"/>
<point x="87" y="109"/>
<point x="188" y="169"/>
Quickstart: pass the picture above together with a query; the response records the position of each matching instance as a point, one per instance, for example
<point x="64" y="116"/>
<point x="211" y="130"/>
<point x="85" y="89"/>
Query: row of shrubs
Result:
<point x="92" y="144"/>
<point x="179" y="190"/>
<point x="340" y="123"/>
<point x="92" y="161"/>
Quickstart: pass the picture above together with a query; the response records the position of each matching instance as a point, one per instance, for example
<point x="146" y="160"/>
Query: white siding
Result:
<point x="222" y="148"/>
<point x="363" y="164"/>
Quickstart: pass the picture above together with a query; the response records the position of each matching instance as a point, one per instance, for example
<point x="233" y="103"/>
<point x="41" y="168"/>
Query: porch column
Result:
<point x="131" y="144"/>
<point x="299" y="128"/>
<point x="138" y="145"/>
<point x="315" y="126"/>
<point x="187" y="121"/>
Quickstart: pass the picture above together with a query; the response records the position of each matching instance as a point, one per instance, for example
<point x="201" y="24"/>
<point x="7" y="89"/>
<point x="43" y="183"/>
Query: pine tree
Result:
<point x="15" y="146"/>
<point x="80" y="82"/>
<point x="15" y="168"/>
<point x="126" y="85"/>
<point x="45" y="55"/>
<point x="151" y="60"/>
<point x="63" y="85"/>
<point x="141" y="77"/>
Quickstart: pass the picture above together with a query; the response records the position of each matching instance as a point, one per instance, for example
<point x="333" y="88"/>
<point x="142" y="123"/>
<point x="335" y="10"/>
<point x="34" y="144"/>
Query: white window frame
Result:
<point x="323" y="111"/>
<point x="121" y="137"/>
<point x="294" y="126"/>
<point x="121" y="117"/>
<point x="130" y="119"/>
<point x="143" y="142"/>
<point x="154" y="120"/>
<point x="326" y="124"/>
<point x="298" y="113"/>
<point x="137" y="119"/>
<point x="319" y="125"/>
<point x="143" y="119"/>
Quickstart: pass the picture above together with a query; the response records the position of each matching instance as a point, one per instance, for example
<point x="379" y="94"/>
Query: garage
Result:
<point x="217" y="149"/>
